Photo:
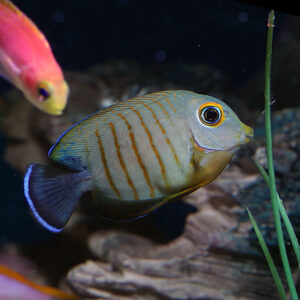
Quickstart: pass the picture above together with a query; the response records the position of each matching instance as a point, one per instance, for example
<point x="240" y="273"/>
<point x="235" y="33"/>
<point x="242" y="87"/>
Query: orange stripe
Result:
<point x="5" y="271"/>
<point x="163" y="132"/>
<point x="175" y="96"/>
<point x="105" y="166"/>
<point x="119" y="154"/>
<point x="159" y="103"/>
<point x="170" y="103"/>
<point x="162" y="167"/>
<point x="165" y="94"/>
<point x="139" y="158"/>
<point x="173" y="151"/>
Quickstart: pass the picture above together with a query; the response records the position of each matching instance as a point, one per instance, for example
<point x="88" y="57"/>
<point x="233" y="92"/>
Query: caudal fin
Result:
<point x="53" y="195"/>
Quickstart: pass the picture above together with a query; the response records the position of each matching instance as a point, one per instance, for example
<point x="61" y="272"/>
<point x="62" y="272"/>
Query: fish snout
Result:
<point x="55" y="112"/>
<point x="58" y="101"/>
<point x="247" y="134"/>
<point x="52" y="107"/>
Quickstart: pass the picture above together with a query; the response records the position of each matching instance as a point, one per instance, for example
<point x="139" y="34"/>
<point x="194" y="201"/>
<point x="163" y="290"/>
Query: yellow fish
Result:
<point x="136" y="156"/>
<point x="26" y="60"/>
<point x="15" y="286"/>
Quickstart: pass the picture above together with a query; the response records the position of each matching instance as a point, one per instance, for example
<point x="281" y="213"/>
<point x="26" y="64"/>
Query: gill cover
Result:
<point x="215" y="127"/>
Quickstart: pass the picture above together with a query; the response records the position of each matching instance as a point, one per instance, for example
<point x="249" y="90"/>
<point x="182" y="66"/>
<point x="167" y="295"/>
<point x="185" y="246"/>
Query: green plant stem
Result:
<point x="271" y="172"/>
<point x="284" y="217"/>
<point x="268" y="256"/>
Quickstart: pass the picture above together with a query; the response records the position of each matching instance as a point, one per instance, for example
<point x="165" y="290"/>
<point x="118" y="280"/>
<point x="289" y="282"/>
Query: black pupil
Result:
<point x="211" y="115"/>
<point x="43" y="93"/>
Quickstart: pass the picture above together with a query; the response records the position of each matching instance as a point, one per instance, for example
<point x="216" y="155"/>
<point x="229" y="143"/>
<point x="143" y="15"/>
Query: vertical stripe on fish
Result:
<point x="105" y="166"/>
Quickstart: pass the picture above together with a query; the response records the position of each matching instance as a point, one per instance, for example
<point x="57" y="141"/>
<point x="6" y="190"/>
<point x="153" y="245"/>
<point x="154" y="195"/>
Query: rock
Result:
<point x="212" y="251"/>
<point x="286" y="145"/>
<point x="195" y="277"/>
<point x="284" y="159"/>
<point x="217" y="247"/>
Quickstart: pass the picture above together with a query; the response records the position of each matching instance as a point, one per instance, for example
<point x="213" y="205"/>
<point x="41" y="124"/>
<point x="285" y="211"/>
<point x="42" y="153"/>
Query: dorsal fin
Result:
<point x="14" y="9"/>
<point x="10" y="5"/>
<point x="71" y="150"/>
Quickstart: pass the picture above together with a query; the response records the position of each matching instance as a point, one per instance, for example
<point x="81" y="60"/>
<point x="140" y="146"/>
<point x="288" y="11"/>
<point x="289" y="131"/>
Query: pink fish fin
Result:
<point x="56" y="293"/>
<point x="4" y="270"/>
<point x="9" y="5"/>
<point x="8" y="69"/>
<point x="3" y="74"/>
<point x="15" y="10"/>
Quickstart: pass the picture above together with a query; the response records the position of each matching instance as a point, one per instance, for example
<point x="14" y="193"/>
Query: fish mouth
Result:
<point x="49" y="110"/>
<point x="57" y="112"/>
<point x="247" y="134"/>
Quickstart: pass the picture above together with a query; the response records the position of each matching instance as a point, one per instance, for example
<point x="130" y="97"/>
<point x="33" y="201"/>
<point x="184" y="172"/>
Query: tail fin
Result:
<point x="53" y="195"/>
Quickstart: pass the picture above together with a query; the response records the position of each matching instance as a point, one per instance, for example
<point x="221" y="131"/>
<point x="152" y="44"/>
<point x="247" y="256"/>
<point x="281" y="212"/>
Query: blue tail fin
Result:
<point x="53" y="195"/>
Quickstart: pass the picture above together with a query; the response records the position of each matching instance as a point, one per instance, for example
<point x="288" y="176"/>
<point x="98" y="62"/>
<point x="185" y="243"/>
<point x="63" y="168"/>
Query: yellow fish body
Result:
<point x="135" y="156"/>
<point x="26" y="60"/>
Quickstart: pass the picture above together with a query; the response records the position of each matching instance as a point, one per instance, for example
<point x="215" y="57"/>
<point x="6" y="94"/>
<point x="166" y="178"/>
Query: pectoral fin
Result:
<point x="8" y="70"/>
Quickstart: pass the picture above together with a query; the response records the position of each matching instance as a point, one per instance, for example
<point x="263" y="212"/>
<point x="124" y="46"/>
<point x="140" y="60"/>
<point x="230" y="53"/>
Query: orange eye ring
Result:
<point x="211" y="114"/>
<point x="44" y="90"/>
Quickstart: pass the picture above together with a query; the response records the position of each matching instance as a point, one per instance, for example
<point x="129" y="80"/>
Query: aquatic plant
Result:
<point x="278" y="208"/>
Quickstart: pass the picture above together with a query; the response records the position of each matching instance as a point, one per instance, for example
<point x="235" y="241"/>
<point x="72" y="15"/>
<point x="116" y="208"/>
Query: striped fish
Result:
<point x="136" y="156"/>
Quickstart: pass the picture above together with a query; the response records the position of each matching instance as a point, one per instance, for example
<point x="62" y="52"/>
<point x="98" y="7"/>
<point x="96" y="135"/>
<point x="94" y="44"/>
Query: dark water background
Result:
<point x="227" y="35"/>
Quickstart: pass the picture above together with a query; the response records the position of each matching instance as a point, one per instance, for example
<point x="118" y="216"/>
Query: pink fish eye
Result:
<point x="43" y="94"/>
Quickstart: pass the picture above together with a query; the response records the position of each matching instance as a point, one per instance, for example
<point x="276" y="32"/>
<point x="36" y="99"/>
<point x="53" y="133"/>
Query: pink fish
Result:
<point x="15" y="286"/>
<point x="26" y="60"/>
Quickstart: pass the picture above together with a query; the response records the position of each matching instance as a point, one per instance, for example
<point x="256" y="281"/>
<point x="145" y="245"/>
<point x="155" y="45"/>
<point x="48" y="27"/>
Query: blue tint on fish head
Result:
<point x="215" y="126"/>
<point x="72" y="162"/>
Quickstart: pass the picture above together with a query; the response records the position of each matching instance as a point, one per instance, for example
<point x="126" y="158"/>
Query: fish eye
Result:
<point x="211" y="115"/>
<point x="44" y="91"/>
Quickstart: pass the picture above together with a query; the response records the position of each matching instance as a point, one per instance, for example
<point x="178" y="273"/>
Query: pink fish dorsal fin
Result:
<point x="10" y="5"/>
<point x="56" y="293"/>
<point x="15" y="10"/>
